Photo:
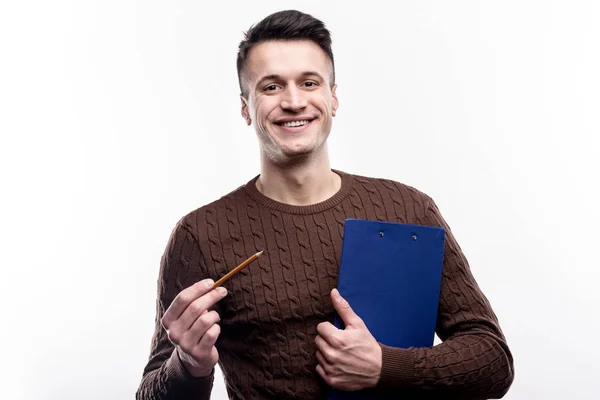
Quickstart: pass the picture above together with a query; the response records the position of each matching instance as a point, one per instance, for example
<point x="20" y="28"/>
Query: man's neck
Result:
<point x="300" y="184"/>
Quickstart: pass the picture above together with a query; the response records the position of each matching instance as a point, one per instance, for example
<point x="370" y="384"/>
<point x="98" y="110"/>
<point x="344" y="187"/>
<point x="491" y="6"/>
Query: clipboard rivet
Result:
<point x="414" y="237"/>
<point x="381" y="234"/>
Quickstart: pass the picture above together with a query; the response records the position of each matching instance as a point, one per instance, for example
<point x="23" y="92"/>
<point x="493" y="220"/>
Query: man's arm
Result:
<point x="165" y="376"/>
<point x="473" y="361"/>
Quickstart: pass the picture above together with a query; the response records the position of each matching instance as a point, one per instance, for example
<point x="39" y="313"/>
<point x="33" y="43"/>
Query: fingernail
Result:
<point x="209" y="283"/>
<point x="222" y="290"/>
<point x="336" y="295"/>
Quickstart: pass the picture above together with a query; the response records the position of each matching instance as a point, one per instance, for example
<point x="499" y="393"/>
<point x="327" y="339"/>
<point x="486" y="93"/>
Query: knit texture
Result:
<point x="269" y="318"/>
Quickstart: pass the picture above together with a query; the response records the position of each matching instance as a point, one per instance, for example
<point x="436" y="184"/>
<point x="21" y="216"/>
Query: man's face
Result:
<point x="290" y="98"/>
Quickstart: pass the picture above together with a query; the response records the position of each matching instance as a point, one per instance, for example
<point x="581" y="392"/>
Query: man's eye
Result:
<point x="271" y="87"/>
<point x="310" y="84"/>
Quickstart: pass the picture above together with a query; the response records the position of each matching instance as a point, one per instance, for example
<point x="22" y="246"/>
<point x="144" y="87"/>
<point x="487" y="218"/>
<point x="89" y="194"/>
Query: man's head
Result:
<point x="286" y="75"/>
<point x="288" y="25"/>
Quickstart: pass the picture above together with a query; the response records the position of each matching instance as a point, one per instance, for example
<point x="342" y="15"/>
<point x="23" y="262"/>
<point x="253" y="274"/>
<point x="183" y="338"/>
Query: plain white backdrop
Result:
<point x="119" y="117"/>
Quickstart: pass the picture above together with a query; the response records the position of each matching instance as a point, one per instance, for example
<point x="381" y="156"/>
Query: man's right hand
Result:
<point x="192" y="329"/>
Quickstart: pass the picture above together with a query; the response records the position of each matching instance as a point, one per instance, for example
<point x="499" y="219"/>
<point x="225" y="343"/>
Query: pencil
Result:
<point x="237" y="269"/>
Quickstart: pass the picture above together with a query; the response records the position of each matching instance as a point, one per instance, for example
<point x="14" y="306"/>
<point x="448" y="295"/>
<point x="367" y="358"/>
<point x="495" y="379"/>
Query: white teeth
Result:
<point x="295" y="123"/>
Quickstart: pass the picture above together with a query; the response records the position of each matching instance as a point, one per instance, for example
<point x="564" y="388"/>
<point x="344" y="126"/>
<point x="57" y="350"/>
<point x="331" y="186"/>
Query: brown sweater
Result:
<point x="269" y="318"/>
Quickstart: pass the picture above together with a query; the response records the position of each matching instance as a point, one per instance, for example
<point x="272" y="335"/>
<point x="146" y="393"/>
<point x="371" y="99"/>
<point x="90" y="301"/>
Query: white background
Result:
<point x="119" y="117"/>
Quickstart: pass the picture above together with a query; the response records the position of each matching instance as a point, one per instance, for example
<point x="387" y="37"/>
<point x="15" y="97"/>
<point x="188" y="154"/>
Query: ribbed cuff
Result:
<point x="397" y="367"/>
<point x="186" y="382"/>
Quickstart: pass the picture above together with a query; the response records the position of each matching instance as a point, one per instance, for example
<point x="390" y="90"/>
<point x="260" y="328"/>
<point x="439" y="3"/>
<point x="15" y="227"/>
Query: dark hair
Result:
<point x="284" y="25"/>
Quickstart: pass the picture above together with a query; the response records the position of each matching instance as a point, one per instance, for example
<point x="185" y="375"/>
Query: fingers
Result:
<point x="326" y="329"/>
<point x="323" y="363"/>
<point x="329" y="357"/>
<point x="326" y="356"/>
<point x="195" y="307"/>
<point x="325" y="369"/>
<point x="320" y="358"/>
<point x="203" y="324"/>
<point x="184" y="299"/>
<point x="322" y="345"/>
<point x="209" y="338"/>
<point x="321" y="372"/>
<point x="192" y="328"/>
<point x="198" y="341"/>
<point x="344" y="310"/>
<point x="199" y="306"/>
<point x="324" y="350"/>
<point x="330" y="334"/>
<point x="205" y="349"/>
<point x="199" y="328"/>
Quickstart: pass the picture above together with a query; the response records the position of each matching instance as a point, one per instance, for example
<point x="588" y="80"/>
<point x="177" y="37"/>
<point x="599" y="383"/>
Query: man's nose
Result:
<point x="293" y="99"/>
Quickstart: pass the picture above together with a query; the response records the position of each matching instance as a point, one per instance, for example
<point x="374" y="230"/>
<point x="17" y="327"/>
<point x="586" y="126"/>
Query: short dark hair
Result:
<point x="284" y="25"/>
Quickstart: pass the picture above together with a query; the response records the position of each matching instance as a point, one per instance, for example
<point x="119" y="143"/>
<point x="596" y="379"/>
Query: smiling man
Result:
<point x="288" y="89"/>
<point x="270" y="328"/>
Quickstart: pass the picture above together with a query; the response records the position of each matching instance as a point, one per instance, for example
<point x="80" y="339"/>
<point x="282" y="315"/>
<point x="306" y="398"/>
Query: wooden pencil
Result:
<point x="237" y="269"/>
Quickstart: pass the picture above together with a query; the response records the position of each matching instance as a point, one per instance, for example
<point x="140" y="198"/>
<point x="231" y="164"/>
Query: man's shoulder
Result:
<point x="208" y="211"/>
<point x="392" y="187"/>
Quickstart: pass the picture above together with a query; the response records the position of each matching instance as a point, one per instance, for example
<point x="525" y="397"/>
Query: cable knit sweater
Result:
<point x="269" y="318"/>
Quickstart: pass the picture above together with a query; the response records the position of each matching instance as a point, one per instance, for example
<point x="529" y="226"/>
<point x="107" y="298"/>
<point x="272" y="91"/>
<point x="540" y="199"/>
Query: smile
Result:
<point x="295" y="126"/>
<point x="295" y="123"/>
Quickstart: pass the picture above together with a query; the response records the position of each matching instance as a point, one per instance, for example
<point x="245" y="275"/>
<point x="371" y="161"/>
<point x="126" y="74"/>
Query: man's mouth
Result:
<point x="293" y="124"/>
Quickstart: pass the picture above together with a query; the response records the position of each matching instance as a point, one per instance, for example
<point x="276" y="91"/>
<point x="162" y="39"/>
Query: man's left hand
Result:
<point x="349" y="359"/>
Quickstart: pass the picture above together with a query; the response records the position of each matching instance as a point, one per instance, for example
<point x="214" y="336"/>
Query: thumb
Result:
<point x="344" y="310"/>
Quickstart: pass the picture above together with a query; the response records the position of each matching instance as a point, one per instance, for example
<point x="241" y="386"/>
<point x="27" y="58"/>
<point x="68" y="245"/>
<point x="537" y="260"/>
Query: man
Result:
<point x="269" y="327"/>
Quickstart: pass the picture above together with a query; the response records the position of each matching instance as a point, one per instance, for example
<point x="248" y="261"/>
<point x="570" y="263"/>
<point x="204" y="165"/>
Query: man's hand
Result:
<point x="349" y="359"/>
<point x="193" y="329"/>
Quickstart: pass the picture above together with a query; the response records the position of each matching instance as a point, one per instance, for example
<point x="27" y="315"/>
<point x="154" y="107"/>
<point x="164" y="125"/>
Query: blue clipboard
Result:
<point x="390" y="273"/>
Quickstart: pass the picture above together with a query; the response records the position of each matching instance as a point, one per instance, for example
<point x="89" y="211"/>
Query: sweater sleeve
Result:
<point x="473" y="361"/>
<point x="164" y="375"/>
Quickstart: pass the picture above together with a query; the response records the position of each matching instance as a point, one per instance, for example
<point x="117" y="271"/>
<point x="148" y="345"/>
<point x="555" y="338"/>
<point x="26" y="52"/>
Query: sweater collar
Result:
<point x="338" y="197"/>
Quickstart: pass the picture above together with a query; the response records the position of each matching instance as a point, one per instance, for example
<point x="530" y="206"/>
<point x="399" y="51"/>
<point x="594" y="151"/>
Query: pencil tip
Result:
<point x="259" y="253"/>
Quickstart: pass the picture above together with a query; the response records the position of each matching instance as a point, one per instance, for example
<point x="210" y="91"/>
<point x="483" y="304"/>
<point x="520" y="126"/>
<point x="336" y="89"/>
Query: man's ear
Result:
<point x="335" y="103"/>
<point x="245" y="112"/>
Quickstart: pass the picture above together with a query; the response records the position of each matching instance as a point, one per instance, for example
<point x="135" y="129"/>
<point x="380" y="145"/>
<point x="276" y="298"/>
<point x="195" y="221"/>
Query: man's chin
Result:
<point x="292" y="156"/>
<point x="302" y="151"/>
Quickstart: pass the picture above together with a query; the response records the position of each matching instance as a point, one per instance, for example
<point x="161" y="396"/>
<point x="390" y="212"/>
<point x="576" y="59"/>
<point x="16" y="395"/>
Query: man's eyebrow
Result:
<point x="267" y="78"/>
<point x="278" y="77"/>
<point x="312" y="73"/>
